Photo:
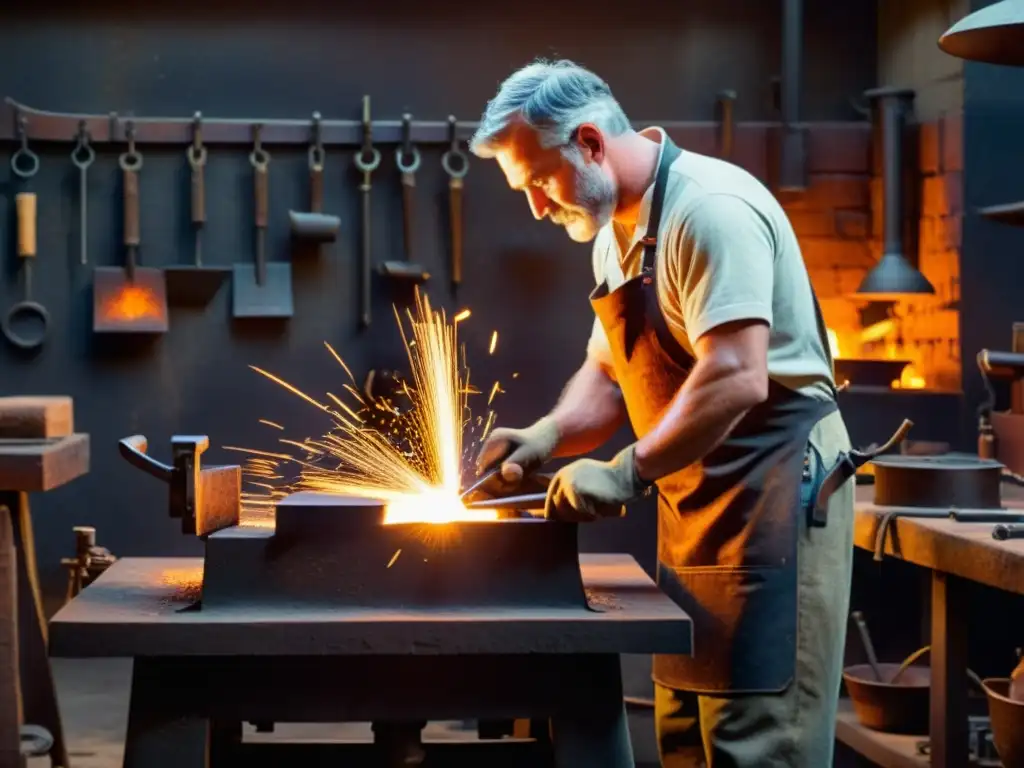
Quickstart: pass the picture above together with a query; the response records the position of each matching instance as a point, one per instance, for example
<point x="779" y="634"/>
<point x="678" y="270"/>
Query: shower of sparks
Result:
<point x="405" y="453"/>
<point x="273" y="424"/>
<point x="494" y="343"/>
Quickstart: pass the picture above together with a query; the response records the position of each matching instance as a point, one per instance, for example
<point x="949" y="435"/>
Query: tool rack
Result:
<point x="18" y="121"/>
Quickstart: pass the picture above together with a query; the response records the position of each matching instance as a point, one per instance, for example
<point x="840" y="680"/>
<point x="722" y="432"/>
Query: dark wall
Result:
<point x="261" y="60"/>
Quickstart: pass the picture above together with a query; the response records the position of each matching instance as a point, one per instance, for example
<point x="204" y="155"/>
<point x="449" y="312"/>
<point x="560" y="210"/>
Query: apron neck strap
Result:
<point x="669" y="154"/>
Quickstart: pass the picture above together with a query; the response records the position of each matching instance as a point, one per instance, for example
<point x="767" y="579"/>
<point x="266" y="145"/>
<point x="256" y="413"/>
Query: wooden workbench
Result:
<point x="955" y="553"/>
<point x="27" y="693"/>
<point x="199" y="674"/>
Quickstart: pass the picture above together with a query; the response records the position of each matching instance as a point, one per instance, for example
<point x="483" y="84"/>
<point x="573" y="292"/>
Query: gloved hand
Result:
<point x="589" y="490"/>
<point x="518" y="451"/>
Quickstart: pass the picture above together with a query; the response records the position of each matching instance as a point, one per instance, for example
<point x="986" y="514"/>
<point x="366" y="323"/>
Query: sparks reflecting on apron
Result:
<point x="727" y="526"/>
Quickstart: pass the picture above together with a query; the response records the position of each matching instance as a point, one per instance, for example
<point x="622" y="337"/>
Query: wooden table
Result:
<point x="199" y="674"/>
<point x="956" y="553"/>
<point x="27" y="694"/>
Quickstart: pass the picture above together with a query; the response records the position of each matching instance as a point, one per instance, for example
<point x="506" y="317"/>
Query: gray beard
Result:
<point x="596" y="198"/>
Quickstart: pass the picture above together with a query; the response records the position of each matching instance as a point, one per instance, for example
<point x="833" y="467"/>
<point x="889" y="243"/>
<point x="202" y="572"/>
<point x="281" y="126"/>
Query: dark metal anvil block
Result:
<point x="337" y="552"/>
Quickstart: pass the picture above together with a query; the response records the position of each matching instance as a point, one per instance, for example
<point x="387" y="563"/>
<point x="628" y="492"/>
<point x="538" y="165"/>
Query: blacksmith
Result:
<point x="709" y="339"/>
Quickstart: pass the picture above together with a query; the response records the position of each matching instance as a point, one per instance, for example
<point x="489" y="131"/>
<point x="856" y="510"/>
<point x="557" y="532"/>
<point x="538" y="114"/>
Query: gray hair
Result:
<point x="554" y="98"/>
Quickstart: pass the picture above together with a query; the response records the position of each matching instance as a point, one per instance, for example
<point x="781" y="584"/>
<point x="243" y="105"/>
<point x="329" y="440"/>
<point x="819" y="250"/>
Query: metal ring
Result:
<point x="33" y="163"/>
<point x="130" y="161"/>
<point x="83" y="149"/>
<point x="316" y="158"/>
<point x="196" y="155"/>
<point x="366" y="166"/>
<point x="25" y="308"/>
<point x="259" y="158"/>
<point x="455" y="172"/>
<point x="413" y="165"/>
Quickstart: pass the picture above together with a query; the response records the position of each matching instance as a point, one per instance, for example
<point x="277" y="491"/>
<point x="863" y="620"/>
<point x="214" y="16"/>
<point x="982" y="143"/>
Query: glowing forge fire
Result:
<point x="411" y="460"/>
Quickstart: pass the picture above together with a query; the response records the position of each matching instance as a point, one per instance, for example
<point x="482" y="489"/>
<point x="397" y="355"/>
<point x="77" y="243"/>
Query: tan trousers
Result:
<point x="795" y="728"/>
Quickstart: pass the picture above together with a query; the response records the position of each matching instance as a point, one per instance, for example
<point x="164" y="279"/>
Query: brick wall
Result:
<point x="838" y="220"/>
<point x="934" y="323"/>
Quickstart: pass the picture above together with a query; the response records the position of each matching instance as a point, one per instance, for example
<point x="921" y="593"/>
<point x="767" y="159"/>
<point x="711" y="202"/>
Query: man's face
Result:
<point x="563" y="183"/>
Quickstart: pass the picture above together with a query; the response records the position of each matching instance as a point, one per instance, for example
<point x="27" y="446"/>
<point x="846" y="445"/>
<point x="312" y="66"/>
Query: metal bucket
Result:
<point x="1007" y="717"/>
<point x="888" y="707"/>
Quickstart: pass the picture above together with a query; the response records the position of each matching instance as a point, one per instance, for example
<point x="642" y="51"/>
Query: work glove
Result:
<point x="518" y="452"/>
<point x="587" y="489"/>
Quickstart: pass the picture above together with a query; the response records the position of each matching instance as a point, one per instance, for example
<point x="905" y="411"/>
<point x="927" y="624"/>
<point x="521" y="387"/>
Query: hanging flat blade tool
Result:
<point x="196" y="285"/>
<point x="83" y="156"/>
<point x="366" y="160"/>
<point x="262" y="289"/>
<point x="456" y="165"/>
<point x="407" y="158"/>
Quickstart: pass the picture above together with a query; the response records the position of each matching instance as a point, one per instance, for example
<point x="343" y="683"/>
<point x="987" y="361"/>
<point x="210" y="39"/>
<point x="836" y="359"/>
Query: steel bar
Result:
<point x="64" y="127"/>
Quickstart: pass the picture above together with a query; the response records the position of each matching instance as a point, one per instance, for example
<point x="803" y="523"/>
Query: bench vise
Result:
<point x="205" y="499"/>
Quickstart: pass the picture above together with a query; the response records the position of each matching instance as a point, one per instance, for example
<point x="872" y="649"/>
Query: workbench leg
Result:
<point x="159" y="735"/>
<point x="39" y="693"/>
<point x="596" y="733"/>
<point x="948" y="726"/>
<point x="10" y="685"/>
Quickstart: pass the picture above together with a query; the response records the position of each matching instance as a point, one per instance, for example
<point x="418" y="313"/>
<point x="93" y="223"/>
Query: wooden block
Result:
<point x="42" y="464"/>
<point x="31" y="417"/>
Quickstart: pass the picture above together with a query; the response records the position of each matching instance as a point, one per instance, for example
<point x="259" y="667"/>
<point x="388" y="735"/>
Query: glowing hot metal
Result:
<point x="410" y="459"/>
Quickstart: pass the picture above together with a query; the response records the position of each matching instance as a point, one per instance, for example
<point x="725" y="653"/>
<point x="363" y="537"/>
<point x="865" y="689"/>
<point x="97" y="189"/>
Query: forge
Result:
<point x="331" y="551"/>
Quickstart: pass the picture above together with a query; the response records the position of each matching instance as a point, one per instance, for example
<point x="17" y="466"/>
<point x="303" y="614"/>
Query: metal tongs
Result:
<point x="523" y="501"/>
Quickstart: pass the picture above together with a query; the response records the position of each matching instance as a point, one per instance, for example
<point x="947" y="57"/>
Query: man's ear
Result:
<point x="591" y="142"/>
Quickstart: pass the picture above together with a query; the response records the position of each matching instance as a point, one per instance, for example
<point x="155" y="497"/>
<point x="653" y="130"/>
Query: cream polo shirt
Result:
<point x="726" y="252"/>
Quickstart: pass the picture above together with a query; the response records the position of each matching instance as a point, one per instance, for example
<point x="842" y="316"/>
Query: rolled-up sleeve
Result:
<point x="724" y="264"/>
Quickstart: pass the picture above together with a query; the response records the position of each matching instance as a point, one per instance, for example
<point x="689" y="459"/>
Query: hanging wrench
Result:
<point x="83" y="156"/>
<point x="456" y="165"/>
<point x="366" y="160"/>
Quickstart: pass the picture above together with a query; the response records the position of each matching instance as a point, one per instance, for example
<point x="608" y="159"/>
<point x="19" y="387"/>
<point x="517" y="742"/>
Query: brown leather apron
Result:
<point x="728" y="525"/>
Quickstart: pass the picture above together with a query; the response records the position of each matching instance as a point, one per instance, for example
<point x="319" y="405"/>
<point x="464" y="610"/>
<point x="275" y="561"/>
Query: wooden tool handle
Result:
<point x="198" y="196"/>
<point x="26" y="203"/>
<point x="316" y="190"/>
<point x="408" y="200"/>
<point x="455" y="204"/>
<point x="261" y="197"/>
<point x="131" y="208"/>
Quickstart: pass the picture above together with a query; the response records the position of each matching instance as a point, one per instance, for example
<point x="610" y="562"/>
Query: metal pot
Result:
<point x="894" y="708"/>
<point x="1007" y="718"/>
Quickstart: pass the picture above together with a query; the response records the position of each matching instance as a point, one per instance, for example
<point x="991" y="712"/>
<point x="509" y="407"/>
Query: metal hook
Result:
<point x="197" y="131"/>
<point x="454" y="161"/>
<point x="368" y="158"/>
<point x="131" y="160"/>
<point x="367" y="125"/>
<point x="316" y="149"/>
<point x="83" y="154"/>
<point x="24" y="156"/>
<point x="196" y="152"/>
<point x="407" y="148"/>
<point x="259" y="157"/>
<point x="407" y="133"/>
